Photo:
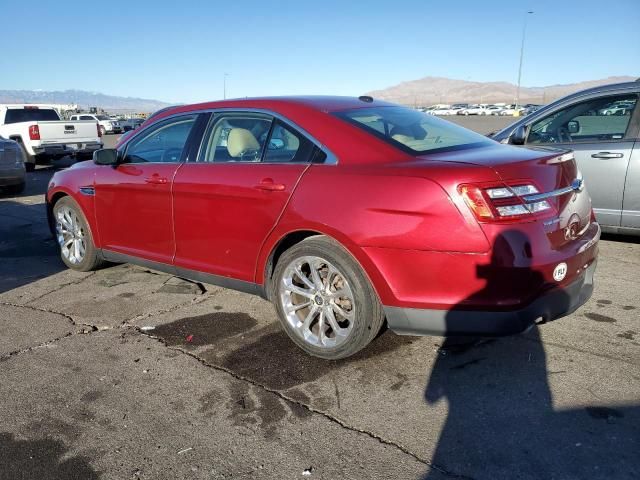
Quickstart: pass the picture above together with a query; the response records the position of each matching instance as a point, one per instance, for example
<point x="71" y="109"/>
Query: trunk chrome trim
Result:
<point x="576" y="186"/>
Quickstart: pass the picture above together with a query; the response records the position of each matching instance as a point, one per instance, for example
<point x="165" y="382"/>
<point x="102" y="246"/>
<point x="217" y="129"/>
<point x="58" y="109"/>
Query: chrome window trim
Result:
<point x="331" y="159"/>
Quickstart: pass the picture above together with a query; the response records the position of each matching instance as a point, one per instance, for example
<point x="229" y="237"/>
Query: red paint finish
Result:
<point x="133" y="206"/>
<point x="402" y="217"/>
<point x="224" y="211"/>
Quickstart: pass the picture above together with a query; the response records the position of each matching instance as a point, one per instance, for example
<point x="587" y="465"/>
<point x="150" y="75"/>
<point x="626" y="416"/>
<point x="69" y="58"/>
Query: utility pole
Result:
<point x="524" y="32"/>
<point x="224" y="85"/>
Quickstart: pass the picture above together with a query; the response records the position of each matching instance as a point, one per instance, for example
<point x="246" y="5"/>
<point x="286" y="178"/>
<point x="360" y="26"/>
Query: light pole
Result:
<point x="224" y="85"/>
<point x="524" y="32"/>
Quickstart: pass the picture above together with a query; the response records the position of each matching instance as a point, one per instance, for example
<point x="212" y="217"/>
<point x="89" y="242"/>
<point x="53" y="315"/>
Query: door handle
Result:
<point x="268" y="185"/>
<point x="607" y="155"/>
<point x="156" y="180"/>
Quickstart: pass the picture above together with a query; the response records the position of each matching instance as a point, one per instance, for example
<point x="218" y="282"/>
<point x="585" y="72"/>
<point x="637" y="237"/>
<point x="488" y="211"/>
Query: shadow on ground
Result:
<point x="44" y="459"/>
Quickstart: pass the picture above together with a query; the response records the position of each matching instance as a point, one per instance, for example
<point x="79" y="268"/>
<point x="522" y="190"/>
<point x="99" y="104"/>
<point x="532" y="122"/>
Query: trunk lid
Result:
<point x="552" y="172"/>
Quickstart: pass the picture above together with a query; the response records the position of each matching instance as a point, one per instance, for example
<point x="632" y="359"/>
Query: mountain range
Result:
<point x="433" y="90"/>
<point x="422" y="92"/>
<point x="83" y="99"/>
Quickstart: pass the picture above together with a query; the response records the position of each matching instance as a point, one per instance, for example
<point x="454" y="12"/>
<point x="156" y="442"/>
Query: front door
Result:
<point x="599" y="132"/>
<point x="133" y="200"/>
<point x="227" y="202"/>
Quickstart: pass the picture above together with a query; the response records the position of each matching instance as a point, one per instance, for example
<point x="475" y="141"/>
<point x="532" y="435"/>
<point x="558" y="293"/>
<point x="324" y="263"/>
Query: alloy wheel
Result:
<point x="70" y="235"/>
<point x="317" y="301"/>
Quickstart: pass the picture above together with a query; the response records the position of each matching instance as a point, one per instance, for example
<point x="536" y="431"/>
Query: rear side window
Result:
<point x="412" y="131"/>
<point x="286" y="145"/>
<point x="17" y="115"/>
<point x="235" y="138"/>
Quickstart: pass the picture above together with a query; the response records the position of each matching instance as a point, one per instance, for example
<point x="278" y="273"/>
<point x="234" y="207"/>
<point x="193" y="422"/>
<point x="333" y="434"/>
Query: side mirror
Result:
<point x="105" y="156"/>
<point x="518" y="136"/>
<point x="573" y="127"/>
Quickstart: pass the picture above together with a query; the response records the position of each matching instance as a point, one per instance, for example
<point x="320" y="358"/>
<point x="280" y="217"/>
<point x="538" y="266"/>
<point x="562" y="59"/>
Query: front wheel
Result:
<point x="324" y="301"/>
<point x="77" y="249"/>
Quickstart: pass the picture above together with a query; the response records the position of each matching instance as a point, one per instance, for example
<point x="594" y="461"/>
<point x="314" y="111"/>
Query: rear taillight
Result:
<point x="503" y="203"/>
<point x="34" y="132"/>
<point x="99" y="131"/>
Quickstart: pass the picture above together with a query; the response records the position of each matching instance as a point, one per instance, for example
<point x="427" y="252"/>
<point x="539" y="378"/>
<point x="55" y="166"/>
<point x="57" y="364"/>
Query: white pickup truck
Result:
<point x="44" y="136"/>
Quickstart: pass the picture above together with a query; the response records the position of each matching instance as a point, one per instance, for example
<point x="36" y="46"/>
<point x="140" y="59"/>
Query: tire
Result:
<point x="83" y="256"/>
<point x="337" y="272"/>
<point x="103" y="131"/>
<point x="29" y="160"/>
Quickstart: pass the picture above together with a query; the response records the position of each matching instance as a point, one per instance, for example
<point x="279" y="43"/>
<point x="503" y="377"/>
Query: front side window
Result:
<point x="162" y="144"/>
<point x="595" y="120"/>
<point x="412" y="131"/>
<point x="235" y="138"/>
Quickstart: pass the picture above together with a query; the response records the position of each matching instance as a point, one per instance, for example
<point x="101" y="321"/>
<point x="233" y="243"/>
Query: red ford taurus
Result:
<point x="349" y="214"/>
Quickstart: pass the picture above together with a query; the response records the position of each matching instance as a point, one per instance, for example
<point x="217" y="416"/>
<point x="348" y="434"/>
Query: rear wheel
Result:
<point x="324" y="301"/>
<point x="77" y="249"/>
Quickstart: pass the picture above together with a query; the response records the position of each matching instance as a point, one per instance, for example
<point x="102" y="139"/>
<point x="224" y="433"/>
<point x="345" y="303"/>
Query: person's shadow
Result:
<point x="501" y="421"/>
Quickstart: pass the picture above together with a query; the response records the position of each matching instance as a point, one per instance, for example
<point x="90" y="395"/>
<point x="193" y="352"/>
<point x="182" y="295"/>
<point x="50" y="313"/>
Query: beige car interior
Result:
<point x="241" y="141"/>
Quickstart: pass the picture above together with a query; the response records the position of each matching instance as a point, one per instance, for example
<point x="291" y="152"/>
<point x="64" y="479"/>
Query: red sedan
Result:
<point x="349" y="214"/>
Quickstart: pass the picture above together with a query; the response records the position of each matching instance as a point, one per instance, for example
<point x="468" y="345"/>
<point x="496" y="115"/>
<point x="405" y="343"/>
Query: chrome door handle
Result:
<point x="607" y="155"/>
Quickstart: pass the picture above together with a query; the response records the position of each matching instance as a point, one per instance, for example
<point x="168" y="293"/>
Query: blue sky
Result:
<point x="178" y="51"/>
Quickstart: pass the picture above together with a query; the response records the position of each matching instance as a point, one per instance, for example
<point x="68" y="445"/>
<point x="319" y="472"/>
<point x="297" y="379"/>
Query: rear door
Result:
<point x="601" y="134"/>
<point x="228" y="200"/>
<point x="133" y="200"/>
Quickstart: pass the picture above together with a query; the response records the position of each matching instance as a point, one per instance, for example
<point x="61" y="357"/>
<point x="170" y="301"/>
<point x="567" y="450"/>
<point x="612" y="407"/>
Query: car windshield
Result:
<point x="17" y="115"/>
<point x="412" y="131"/>
<point x="103" y="117"/>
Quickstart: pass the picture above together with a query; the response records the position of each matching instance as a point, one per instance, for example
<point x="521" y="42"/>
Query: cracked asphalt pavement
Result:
<point x="126" y="373"/>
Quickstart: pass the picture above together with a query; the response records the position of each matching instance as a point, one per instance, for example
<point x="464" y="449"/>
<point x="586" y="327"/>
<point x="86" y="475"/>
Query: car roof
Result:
<point x="317" y="102"/>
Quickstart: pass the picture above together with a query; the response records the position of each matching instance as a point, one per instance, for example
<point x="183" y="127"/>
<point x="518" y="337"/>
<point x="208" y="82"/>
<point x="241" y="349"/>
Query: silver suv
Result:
<point x="602" y="126"/>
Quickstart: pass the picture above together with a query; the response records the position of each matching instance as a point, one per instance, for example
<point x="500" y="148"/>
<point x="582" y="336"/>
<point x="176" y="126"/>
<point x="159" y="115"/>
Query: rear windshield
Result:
<point x="413" y="131"/>
<point x="17" y="115"/>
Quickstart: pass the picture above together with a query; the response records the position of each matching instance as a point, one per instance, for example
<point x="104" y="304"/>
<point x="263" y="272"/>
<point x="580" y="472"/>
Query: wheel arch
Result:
<point x="280" y="243"/>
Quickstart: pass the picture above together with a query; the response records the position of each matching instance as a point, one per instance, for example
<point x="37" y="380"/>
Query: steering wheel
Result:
<point x="563" y="135"/>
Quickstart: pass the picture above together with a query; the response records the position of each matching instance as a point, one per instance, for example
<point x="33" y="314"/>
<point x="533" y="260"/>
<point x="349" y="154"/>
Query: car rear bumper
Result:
<point x="11" y="175"/>
<point x="555" y="303"/>
<point x="61" y="149"/>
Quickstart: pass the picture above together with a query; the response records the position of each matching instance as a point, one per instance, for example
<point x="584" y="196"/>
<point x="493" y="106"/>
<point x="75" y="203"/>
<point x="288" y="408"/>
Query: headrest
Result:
<point x="241" y="140"/>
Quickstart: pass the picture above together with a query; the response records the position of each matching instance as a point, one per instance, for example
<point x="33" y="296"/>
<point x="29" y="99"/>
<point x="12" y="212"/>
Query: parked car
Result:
<point x="43" y="136"/>
<point x="493" y="110"/>
<point x="12" y="171"/>
<point x="473" y="110"/>
<point x="511" y="110"/>
<point x="131" y="124"/>
<point x="606" y="147"/>
<point x="618" y="108"/>
<point x="345" y="212"/>
<point x="107" y="124"/>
